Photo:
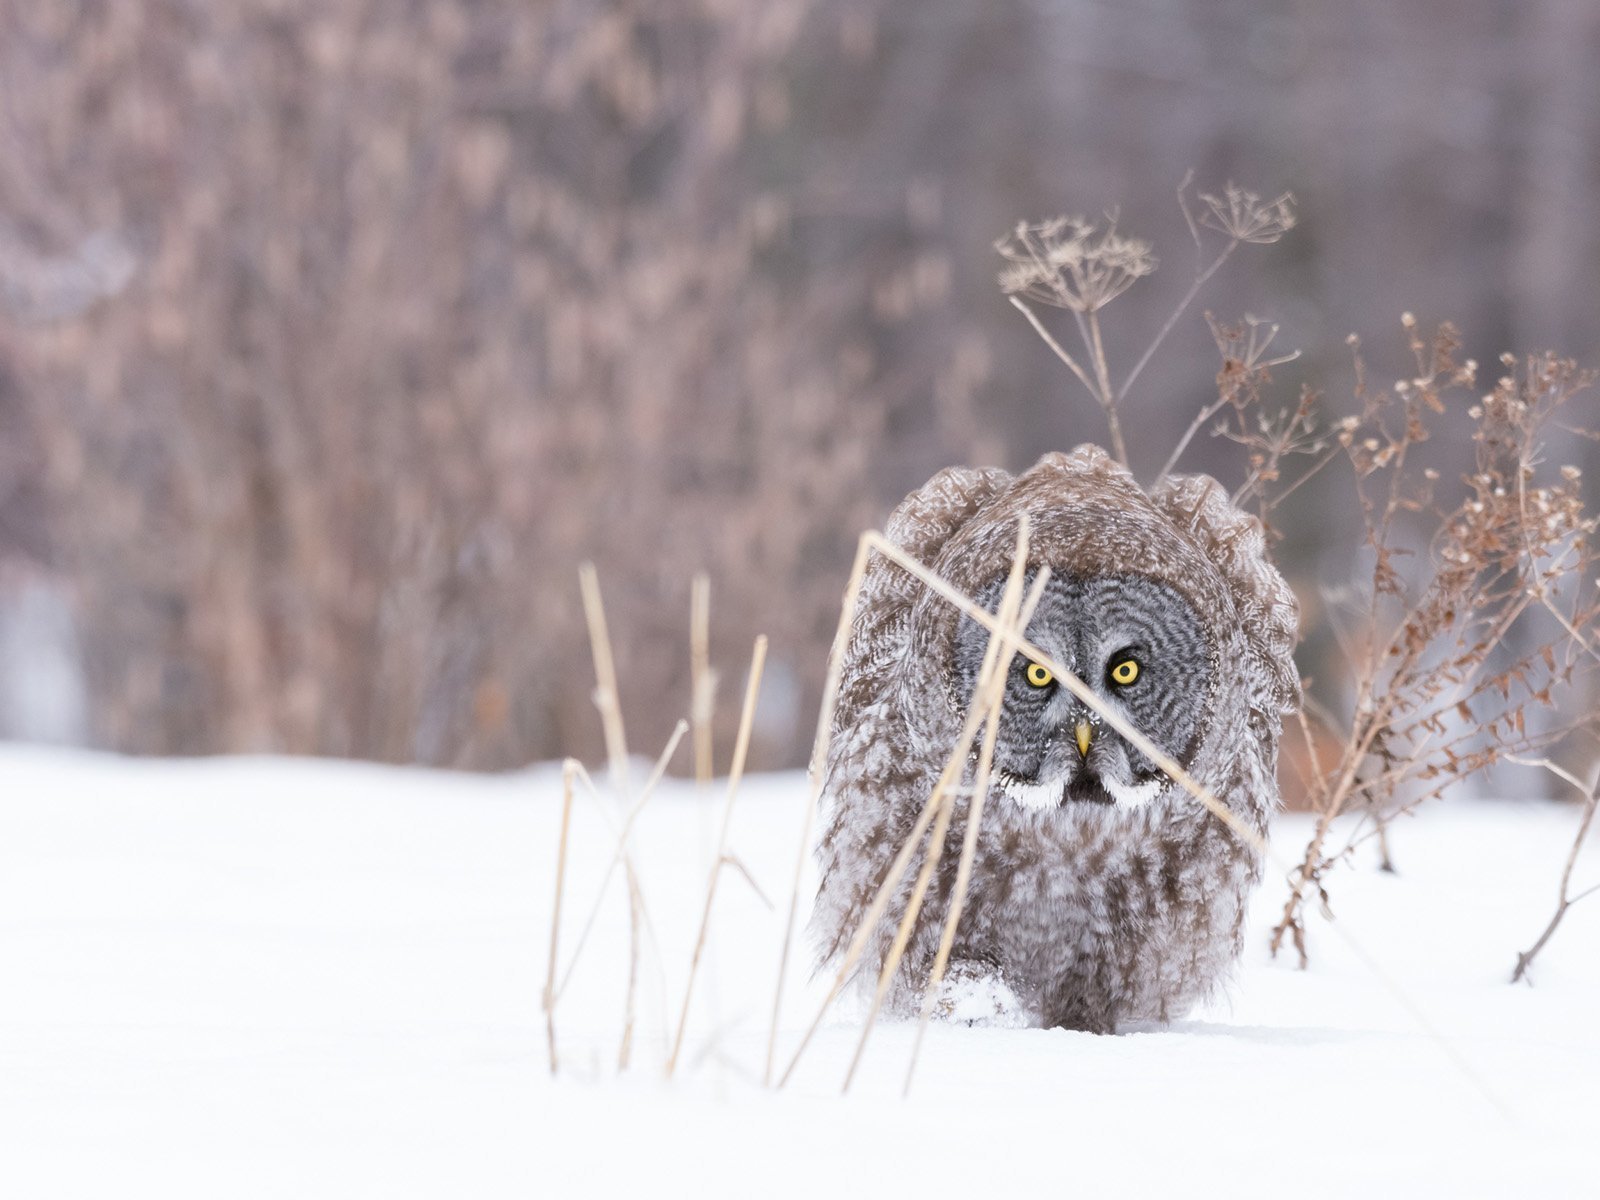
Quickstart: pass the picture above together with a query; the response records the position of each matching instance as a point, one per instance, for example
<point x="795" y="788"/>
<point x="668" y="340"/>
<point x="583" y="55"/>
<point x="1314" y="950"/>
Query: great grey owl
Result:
<point x="1101" y="893"/>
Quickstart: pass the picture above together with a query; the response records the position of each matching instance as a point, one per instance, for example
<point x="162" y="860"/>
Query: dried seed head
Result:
<point x="1069" y="262"/>
<point x="1246" y="217"/>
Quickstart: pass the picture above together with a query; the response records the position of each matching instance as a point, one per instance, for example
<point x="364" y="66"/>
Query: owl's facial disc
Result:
<point x="1139" y="646"/>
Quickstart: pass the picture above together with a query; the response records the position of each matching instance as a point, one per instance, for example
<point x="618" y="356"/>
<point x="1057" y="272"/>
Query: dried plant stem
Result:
<point x="874" y="914"/>
<point x="605" y="670"/>
<point x="581" y="774"/>
<point x="1108" y="401"/>
<point x="1060" y="352"/>
<point x="606" y="699"/>
<point x="1591" y="797"/>
<point x="703" y="683"/>
<point x="1200" y="281"/>
<point x="758" y="660"/>
<point x="993" y="698"/>
<point x="549" y="999"/>
<point x="1377" y="715"/>
<point x="619" y="854"/>
<point x="990" y="685"/>
<point x="1204" y="415"/>
<point x="902" y="935"/>
<point x="635" y="902"/>
<point x="819" y="758"/>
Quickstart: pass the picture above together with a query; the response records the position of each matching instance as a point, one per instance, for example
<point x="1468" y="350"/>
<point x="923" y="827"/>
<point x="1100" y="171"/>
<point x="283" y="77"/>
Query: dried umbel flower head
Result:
<point x="1072" y="263"/>
<point x="1246" y="217"/>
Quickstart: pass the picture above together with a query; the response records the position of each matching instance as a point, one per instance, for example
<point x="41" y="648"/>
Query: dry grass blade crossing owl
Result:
<point x="1101" y="892"/>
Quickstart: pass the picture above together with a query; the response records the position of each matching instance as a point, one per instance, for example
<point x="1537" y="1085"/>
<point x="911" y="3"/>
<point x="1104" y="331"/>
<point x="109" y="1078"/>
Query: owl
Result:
<point x="1102" y="893"/>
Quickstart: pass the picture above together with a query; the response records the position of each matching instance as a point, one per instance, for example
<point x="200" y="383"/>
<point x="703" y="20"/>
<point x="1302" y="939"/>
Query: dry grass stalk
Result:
<point x="643" y="922"/>
<point x="640" y="925"/>
<point x="819" y="756"/>
<point x="620" y="854"/>
<point x="758" y="660"/>
<point x="876" y="909"/>
<point x="987" y="693"/>
<point x="994" y="697"/>
<point x="1591" y="795"/>
<point x="1458" y="662"/>
<point x="703" y="680"/>
<point x="606" y="699"/>
<point x="943" y="803"/>
<point x="549" y="998"/>
<point x="1071" y="263"/>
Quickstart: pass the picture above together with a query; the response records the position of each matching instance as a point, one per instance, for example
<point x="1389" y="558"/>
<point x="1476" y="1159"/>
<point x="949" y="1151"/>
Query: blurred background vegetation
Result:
<point x="333" y="336"/>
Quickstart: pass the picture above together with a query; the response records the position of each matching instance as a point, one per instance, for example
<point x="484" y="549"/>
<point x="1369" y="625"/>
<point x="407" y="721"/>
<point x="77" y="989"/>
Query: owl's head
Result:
<point x="1138" y="644"/>
<point x="1163" y="602"/>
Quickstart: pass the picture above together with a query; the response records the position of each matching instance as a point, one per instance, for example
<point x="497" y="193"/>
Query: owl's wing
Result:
<point x="920" y="525"/>
<point x="871" y="756"/>
<point x="1268" y="612"/>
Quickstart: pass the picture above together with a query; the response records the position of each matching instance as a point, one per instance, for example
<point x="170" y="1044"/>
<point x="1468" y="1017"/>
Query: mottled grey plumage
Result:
<point x="1101" y="892"/>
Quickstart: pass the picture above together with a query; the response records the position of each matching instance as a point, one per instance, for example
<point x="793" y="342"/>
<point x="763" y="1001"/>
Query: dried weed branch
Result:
<point x="1459" y="653"/>
<point x="1075" y="264"/>
<point x="1565" y="900"/>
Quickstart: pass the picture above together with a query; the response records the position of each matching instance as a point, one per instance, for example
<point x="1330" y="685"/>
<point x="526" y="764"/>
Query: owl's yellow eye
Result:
<point x="1039" y="675"/>
<point x="1125" y="672"/>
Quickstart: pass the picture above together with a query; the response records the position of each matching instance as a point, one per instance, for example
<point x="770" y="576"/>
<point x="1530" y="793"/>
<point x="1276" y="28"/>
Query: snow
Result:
<point x="261" y="977"/>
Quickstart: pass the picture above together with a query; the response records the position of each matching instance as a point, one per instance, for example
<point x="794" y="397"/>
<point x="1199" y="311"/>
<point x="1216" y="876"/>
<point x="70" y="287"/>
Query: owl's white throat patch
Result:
<point x="1044" y="797"/>
<point x="1133" y="795"/>
<point x="1036" y="797"/>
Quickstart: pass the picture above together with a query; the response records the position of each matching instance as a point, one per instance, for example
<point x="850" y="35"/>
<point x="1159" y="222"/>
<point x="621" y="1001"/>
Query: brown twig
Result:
<point x="1432" y="652"/>
<point x="1591" y="796"/>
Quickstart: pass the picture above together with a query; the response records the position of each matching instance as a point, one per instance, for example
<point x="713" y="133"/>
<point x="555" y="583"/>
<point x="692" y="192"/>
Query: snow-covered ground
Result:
<point x="257" y="977"/>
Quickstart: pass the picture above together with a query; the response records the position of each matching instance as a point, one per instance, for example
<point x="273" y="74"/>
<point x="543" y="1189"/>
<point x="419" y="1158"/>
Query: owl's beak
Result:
<point x="1085" y="736"/>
